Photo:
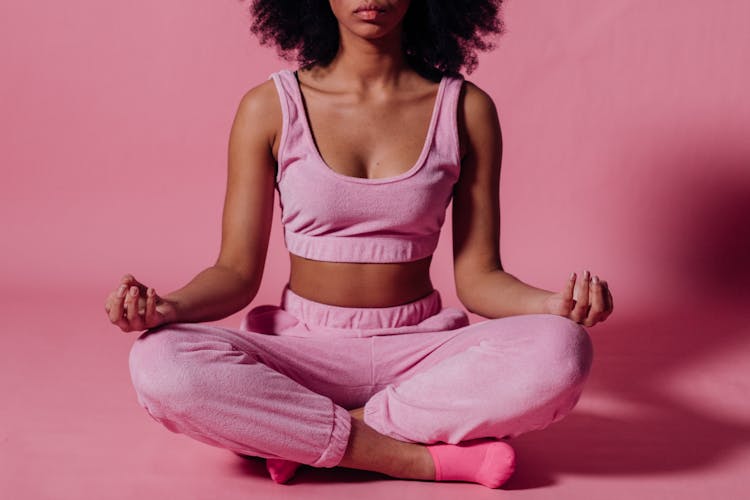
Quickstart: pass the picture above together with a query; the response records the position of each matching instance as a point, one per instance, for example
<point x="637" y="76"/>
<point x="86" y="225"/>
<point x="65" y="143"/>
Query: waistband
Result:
<point x="331" y="316"/>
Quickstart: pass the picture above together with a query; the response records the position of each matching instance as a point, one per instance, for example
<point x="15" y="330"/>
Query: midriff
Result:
<point x="354" y="284"/>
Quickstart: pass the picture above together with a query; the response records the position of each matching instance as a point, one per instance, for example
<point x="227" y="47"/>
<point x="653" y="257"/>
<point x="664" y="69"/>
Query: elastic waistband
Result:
<point x="330" y="316"/>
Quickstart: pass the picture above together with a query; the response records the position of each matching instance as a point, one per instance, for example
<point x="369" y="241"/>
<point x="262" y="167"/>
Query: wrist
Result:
<point x="173" y="310"/>
<point x="540" y="302"/>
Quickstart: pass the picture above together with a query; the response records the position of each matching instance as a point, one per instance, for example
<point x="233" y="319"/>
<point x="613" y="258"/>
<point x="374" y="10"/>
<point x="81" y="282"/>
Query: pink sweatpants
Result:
<point x="280" y="385"/>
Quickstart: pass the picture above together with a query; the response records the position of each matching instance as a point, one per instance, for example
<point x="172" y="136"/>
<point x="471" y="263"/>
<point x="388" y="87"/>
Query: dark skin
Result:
<point x="366" y="96"/>
<point x="376" y="284"/>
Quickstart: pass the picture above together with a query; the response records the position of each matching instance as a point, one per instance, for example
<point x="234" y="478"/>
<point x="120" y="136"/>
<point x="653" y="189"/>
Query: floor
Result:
<point x="666" y="415"/>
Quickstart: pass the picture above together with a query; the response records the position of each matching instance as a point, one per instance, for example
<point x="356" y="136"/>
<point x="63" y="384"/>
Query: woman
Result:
<point x="360" y="365"/>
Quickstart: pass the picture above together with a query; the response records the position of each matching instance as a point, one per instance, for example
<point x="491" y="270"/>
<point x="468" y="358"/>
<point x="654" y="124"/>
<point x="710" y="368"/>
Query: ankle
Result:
<point x="423" y="466"/>
<point x="358" y="413"/>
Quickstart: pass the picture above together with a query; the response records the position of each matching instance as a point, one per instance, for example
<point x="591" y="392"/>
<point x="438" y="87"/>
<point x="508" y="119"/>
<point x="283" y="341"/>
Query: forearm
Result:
<point x="214" y="293"/>
<point x="497" y="294"/>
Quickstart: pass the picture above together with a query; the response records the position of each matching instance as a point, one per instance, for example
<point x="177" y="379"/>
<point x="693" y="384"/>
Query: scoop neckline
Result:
<point x="426" y="146"/>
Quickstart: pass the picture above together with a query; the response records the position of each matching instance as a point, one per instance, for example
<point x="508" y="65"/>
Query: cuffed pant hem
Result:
<point x="339" y="441"/>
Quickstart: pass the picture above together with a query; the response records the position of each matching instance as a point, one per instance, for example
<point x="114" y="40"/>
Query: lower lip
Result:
<point x="369" y="15"/>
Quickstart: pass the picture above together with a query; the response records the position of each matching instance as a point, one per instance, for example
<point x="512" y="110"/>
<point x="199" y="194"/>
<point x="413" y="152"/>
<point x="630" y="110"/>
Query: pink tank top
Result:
<point x="333" y="217"/>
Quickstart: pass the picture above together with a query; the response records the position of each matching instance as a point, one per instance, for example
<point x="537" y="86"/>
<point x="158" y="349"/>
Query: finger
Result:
<point x="135" y="320"/>
<point x="124" y="324"/>
<point x="151" y="317"/>
<point x="581" y="294"/>
<point x="129" y="280"/>
<point x="568" y="292"/>
<point x="121" y="320"/>
<point x="116" y="311"/>
<point x="598" y="302"/>
<point x="140" y="305"/>
<point x="610" y="301"/>
<point x="605" y="297"/>
<point x="108" y="302"/>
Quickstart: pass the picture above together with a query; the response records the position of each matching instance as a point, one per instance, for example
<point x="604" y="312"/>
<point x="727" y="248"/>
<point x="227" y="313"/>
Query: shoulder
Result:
<point x="477" y="116"/>
<point x="477" y="105"/>
<point x="259" y="109"/>
<point x="476" y="99"/>
<point x="260" y="98"/>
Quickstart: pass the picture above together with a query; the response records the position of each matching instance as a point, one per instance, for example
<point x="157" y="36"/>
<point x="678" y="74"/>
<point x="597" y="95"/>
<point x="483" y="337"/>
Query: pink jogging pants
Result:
<point x="280" y="385"/>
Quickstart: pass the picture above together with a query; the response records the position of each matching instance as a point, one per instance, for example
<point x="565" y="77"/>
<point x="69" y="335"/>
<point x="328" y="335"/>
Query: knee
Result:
<point x="159" y="367"/>
<point x="564" y="350"/>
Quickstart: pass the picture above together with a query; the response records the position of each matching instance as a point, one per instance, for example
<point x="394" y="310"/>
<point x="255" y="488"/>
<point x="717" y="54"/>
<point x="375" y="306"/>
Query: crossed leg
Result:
<point x="254" y="393"/>
<point x="495" y="378"/>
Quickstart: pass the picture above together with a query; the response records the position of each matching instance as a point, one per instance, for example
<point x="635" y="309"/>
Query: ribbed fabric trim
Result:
<point x="284" y="122"/>
<point x="361" y="248"/>
<point x="454" y="95"/>
<point x="317" y="159"/>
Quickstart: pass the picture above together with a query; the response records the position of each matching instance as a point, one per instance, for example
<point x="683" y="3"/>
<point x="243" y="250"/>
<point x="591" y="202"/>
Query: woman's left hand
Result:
<point x="586" y="302"/>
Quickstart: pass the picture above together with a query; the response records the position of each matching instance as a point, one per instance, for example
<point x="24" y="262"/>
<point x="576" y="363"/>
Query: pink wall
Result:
<point x="625" y="126"/>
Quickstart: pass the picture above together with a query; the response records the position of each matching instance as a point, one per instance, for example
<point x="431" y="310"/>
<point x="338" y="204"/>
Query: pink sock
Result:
<point x="487" y="461"/>
<point x="281" y="470"/>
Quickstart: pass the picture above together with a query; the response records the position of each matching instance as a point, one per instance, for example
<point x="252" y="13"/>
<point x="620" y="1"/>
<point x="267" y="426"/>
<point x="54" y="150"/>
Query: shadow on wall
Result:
<point x="711" y="247"/>
<point x="667" y="391"/>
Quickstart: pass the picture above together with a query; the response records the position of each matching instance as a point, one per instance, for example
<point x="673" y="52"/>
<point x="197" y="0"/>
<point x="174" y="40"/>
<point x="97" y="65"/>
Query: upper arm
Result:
<point x="476" y="211"/>
<point x="248" y="205"/>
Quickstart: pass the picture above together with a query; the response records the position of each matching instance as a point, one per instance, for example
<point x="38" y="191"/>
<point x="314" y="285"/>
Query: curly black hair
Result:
<point x="439" y="36"/>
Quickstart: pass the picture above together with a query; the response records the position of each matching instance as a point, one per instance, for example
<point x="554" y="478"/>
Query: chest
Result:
<point x="316" y="204"/>
<point x="350" y="168"/>
<point x="368" y="138"/>
<point x="372" y="139"/>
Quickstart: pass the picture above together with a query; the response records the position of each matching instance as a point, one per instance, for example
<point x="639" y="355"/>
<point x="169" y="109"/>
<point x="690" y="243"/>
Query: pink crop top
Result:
<point x="340" y="218"/>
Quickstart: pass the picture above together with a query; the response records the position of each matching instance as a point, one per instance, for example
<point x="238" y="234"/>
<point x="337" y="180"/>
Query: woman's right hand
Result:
<point x="133" y="306"/>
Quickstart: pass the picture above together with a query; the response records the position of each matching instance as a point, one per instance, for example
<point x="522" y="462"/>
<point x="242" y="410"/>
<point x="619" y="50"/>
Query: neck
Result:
<point x="369" y="64"/>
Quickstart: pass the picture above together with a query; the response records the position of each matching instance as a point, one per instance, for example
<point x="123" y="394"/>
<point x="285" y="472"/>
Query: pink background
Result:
<point x="626" y="152"/>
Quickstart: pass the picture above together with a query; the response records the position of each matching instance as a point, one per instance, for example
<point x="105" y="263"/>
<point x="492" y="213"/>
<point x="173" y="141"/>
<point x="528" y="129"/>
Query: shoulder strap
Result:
<point x="292" y="133"/>
<point x="446" y="133"/>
